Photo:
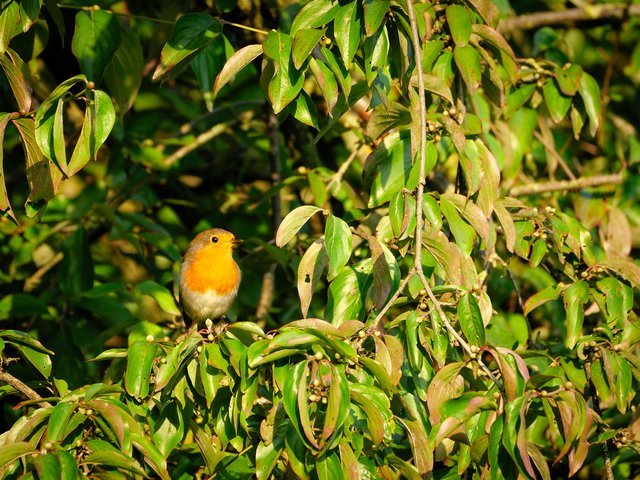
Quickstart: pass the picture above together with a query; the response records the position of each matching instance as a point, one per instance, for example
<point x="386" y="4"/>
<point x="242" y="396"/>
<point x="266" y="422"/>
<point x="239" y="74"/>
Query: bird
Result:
<point x="209" y="276"/>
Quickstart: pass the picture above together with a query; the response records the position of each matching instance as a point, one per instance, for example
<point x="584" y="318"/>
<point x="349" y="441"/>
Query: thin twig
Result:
<point x="550" y="149"/>
<point x="604" y="446"/>
<point x="34" y="280"/>
<point x="401" y="287"/>
<point x="337" y="178"/>
<point x="268" y="279"/>
<point x="120" y="14"/>
<point x="200" y="140"/>
<point x="423" y="137"/>
<point x="562" y="185"/>
<point x="27" y="391"/>
<point x="588" y="13"/>
<point x="243" y="27"/>
<point x="455" y="334"/>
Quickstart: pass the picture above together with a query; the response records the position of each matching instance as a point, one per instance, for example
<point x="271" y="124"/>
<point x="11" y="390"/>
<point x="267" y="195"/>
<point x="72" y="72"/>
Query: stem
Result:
<point x="561" y="185"/>
<point x="268" y="279"/>
<point x="417" y="265"/>
<point x="121" y="14"/>
<point x="596" y="407"/>
<point x="22" y="388"/>
<point x="200" y="140"/>
<point x="588" y="13"/>
<point x="243" y="27"/>
<point x="455" y="334"/>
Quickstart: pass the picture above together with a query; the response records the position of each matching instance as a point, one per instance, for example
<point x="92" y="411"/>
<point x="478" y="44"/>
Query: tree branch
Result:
<point x="561" y="185"/>
<point x="588" y="13"/>
<point x="268" y="279"/>
<point x="23" y="388"/>
<point x="200" y="140"/>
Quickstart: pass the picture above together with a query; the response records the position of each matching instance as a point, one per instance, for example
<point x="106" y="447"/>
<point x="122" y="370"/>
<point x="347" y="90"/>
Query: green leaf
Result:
<point x="327" y="83"/>
<point x="388" y="168"/>
<point x="568" y="78"/>
<point x="10" y="23"/>
<point x="56" y="16"/>
<point x="315" y="14"/>
<point x="123" y="75"/>
<point x="141" y="356"/>
<point x="287" y="81"/>
<point x="304" y="41"/>
<point x="207" y="64"/>
<point x="347" y="28"/>
<point x="347" y="293"/>
<point x="99" y="119"/>
<point x="235" y="64"/>
<point x="19" y="79"/>
<point x="459" y="20"/>
<point x="467" y="60"/>
<point x="191" y="33"/>
<point x="169" y="429"/>
<point x="557" y="103"/>
<point x="160" y="294"/>
<point x="338" y="244"/>
<point x="464" y="234"/>
<point x="590" y="92"/>
<point x="340" y="72"/>
<point x="304" y="110"/>
<point x="625" y="268"/>
<point x="293" y="222"/>
<point x="374" y="12"/>
<point x="470" y="320"/>
<point x="445" y="385"/>
<point x="538" y="252"/>
<point x="41" y="361"/>
<point x="96" y="37"/>
<point x="5" y="205"/>
<point x="43" y="175"/>
<point x="540" y="298"/>
<point x="106" y="456"/>
<point x="328" y="467"/>
<point x="59" y="420"/>
<point x="375" y="405"/>
<point x="310" y="269"/>
<point x="11" y="452"/>
<point x="575" y="296"/>
<point x="48" y="119"/>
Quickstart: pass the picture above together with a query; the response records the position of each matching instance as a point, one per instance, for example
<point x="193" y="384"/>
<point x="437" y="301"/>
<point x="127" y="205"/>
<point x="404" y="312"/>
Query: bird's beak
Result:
<point x="236" y="242"/>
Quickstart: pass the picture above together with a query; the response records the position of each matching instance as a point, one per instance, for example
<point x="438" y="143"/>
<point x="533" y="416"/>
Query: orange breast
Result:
<point x="212" y="269"/>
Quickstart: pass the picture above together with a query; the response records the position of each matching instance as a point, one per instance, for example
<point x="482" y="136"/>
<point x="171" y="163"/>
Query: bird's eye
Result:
<point x="214" y="239"/>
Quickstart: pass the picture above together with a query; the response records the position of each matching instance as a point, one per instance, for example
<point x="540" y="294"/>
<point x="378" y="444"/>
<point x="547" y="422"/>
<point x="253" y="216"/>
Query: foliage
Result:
<point x="460" y="240"/>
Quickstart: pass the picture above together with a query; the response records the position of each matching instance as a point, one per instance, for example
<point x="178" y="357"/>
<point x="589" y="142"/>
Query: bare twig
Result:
<point x="401" y="287"/>
<point x="200" y="140"/>
<point x="337" y="178"/>
<point x="455" y="334"/>
<point x="588" y="13"/>
<point x="551" y="150"/>
<point x="27" y="391"/>
<point x="604" y="446"/>
<point x="268" y="279"/>
<point x="34" y="280"/>
<point x="561" y="185"/>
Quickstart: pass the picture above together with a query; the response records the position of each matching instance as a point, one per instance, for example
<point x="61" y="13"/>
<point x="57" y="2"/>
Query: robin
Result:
<point x="209" y="276"/>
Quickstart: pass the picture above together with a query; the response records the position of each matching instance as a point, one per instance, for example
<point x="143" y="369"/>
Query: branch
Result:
<point x="268" y="279"/>
<point x="200" y="140"/>
<point x="604" y="446"/>
<point x="561" y="185"/>
<point x="455" y="334"/>
<point x="23" y="388"/>
<point x="588" y="13"/>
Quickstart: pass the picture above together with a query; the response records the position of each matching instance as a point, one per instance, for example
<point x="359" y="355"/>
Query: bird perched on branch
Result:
<point x="209" y="276"/>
